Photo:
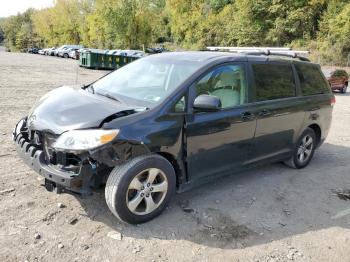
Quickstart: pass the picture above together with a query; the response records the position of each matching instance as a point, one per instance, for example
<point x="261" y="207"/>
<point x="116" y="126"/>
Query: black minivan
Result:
<point x="171" y="121"/>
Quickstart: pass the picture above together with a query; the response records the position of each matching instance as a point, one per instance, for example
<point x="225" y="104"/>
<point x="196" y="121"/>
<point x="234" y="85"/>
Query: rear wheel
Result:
<point x="140" y="189"/>
<point x="303" y="150"/>
<point x="344" y="89"/>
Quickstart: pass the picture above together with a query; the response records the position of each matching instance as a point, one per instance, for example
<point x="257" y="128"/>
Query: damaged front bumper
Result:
<point x="55" y="180"/>
<point x="72" y="172"/>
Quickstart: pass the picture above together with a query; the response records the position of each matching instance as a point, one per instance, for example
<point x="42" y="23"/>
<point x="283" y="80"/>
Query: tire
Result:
<point x="65" y="55"/>
<point x="128" y="184"/>
<point x="303" y="147"/>
<point x="344" y="89"/>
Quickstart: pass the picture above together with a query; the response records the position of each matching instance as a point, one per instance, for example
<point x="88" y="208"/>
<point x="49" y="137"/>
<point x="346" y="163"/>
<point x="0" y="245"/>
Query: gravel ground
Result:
<point x="271" y="214"/>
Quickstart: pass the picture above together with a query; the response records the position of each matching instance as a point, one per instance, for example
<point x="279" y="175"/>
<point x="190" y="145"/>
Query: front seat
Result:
<point x="224" y="90"/>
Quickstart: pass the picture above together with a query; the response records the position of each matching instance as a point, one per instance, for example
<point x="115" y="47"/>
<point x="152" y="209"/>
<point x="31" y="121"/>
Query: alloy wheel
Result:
<point x="146" y="191"/>
<point x="305" y="149"/>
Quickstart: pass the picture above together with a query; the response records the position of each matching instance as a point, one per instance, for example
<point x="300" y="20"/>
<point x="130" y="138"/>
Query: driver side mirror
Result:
<point x="207" y="103"/>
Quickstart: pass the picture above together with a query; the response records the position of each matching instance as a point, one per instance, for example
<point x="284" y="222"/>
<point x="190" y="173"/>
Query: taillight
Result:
<point x="333" y="101"/>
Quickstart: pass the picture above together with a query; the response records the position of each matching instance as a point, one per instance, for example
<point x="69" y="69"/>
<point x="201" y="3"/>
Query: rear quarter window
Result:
<point x="273" y="81"/>
<point x="311" y="80"/>
<point x="340" y="73"/>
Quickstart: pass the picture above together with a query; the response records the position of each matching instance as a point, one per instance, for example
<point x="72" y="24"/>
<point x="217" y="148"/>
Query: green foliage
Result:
<point x="323" y="26"/>
<point x="63" y="23"/>
<point x="19" y="32"/>
<point x="124" y="23"/>
<point x="2" y="33"/>
<point x="334" y="36"/>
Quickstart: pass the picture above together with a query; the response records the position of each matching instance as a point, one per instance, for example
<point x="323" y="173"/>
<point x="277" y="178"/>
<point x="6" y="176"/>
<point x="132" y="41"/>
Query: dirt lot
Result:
<point x="270" y="214"/>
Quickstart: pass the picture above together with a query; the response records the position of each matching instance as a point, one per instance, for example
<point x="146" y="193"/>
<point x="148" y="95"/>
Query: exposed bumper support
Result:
<point x="55" y="179"/>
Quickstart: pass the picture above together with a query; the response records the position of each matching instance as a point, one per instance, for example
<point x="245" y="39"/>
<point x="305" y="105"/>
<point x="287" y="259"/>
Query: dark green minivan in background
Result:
<point x="172" y="121"/>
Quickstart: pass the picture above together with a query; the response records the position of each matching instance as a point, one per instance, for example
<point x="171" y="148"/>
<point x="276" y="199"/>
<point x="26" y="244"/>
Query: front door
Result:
<point x="220" y="142"/>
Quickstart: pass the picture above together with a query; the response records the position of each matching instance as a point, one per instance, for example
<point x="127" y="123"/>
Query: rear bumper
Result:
<point x="337" y="87"/>
<point x="58" y="180"/>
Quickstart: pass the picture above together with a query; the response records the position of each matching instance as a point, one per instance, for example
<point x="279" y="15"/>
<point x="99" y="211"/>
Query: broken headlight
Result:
<point x="84" y="139"/>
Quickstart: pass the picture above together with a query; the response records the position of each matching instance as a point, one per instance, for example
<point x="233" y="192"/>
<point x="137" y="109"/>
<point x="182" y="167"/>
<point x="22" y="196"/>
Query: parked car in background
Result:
<point x="171" y="121"/>
<point x="41" y="52"/>
<point x="338" y="79"/>
<point x="63" y="49"/>
<point x="33" y="50"/>
<point x="64" y="52"/>
<point x="51" y="51"/>
<point x="74" y="54"/>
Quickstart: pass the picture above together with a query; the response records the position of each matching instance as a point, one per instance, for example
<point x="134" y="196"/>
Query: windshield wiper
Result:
<point x="109" y="96"/>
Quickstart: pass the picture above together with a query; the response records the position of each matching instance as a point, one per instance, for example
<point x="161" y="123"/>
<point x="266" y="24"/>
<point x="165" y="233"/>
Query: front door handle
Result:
<point x="265" y="112"/>
<point x="247" y="116"/>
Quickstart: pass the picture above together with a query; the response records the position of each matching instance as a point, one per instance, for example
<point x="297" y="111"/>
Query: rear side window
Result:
<point x="273" y="81"/>
<point x="311" y="80"/>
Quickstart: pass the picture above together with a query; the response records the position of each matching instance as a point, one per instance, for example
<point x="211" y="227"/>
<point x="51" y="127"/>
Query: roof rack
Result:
<point x="276" y="51"/>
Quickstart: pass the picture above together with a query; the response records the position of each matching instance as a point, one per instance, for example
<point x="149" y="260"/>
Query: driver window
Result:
<point x="227" y="82"/>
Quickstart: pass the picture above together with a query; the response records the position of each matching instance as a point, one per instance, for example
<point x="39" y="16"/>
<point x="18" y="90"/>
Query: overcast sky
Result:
<point x="12" y="7"/>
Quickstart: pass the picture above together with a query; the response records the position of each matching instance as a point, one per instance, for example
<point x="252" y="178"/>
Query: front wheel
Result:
<point x="303" y="150"/>
<point x="140" y="189"/>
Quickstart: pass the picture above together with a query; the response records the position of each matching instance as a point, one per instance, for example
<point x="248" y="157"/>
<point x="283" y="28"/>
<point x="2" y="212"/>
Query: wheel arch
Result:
<point x="177" y="165"/>
<point x="318" y="132"/>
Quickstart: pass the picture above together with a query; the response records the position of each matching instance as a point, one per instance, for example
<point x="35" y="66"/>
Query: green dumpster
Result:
<point x="98" y="59"/>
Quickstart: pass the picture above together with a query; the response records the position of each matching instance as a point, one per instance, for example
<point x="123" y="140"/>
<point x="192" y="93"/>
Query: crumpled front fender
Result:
<point x="118" y="152"/>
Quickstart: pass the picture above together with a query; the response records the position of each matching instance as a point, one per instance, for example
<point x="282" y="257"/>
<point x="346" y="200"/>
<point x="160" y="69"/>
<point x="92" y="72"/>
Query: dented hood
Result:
<point x="66" y="109"/>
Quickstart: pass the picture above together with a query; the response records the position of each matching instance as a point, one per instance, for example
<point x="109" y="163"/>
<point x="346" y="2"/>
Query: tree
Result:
<point x="334" y="35"/>
<point x="124" y="23"/>
<point x="65" y="23"/>
<point x="19" y="33"/>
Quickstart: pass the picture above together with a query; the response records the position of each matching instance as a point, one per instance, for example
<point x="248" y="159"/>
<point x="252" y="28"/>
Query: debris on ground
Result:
<point x="21" y="227"/>
<point x="343" y="194"/>
<point x="293" y="253"/>
<point x="37" y="236"/>
<point x="115" y="235"/>
<point x="287" y="212"/>
<point x="60" y="205"/>
<point x="137" y="249"/>
<point x="8" y="190"/>
<point x="60" y="246"/>
<point x="185" y="206"/>
<point x="85" y="247"/>
<point x="73" y="221"/>
<point x="49" y="216"/>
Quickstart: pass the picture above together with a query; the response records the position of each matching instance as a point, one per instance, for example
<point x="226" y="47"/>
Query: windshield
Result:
<point x="147" y="81"/>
